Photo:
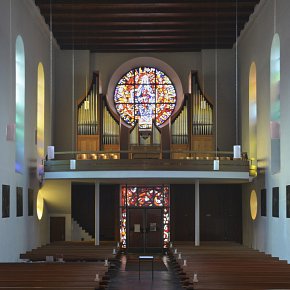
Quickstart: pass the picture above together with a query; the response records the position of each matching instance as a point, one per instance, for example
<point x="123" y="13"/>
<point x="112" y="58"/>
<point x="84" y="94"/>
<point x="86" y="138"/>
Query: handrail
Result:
<point x="187" y="154"/>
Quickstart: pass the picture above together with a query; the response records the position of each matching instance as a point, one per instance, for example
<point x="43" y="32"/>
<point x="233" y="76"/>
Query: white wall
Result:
<point x="226" y="128"/>
<point x="19" y="234"/>
<point x="71" y="80"/>
<point x="182" y="63"/>
<point x="267" y="233"/>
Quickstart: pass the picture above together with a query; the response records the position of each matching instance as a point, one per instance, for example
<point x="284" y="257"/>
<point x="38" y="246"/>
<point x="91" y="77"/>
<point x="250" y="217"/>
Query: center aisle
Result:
<point x="128" y="279"/>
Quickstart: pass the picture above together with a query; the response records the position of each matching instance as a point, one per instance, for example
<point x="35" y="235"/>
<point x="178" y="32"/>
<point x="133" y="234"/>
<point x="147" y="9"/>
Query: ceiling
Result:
<point x="146" y="25"/>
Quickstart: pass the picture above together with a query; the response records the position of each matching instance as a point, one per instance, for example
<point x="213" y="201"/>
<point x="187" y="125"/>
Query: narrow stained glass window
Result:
<point x="275" y="105"/>
<point x="20" y="104"/>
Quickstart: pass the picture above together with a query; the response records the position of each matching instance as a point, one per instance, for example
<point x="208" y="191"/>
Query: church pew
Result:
<point x="74" y="251"/>
<point x="229" y="267"/>
<point x="54" y="275"/>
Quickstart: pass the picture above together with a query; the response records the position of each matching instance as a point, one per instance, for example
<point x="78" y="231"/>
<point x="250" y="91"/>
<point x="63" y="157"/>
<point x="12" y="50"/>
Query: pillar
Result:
<point x="97" y="213"/>
<point x="197" y="223"/>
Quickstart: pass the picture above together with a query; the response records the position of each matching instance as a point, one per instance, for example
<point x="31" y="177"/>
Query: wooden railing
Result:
<point x="101" y="161"/>
<point x="143" y="152"/>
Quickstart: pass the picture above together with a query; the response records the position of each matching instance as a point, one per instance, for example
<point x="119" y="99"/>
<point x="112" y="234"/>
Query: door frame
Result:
<point x="63" y="218"/>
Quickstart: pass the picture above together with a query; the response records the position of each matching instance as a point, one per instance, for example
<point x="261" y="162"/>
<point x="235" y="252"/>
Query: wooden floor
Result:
<point x="228" y="266"/>
<point x="129" y="280"/>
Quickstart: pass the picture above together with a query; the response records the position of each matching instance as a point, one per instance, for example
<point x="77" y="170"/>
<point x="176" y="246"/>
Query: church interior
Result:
<point x="136" y="127"/>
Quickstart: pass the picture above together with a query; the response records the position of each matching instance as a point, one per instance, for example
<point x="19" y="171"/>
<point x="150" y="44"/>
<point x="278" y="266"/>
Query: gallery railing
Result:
<point x="146" y="160"/>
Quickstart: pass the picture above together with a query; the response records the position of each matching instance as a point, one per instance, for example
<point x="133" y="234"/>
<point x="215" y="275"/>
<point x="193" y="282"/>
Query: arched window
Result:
<point x="253" y="111"/>
<point x="40" y="117"/>
<point x="20" y="104"/>
<point x="145" y="94"/>
<point x="275" y="104"/>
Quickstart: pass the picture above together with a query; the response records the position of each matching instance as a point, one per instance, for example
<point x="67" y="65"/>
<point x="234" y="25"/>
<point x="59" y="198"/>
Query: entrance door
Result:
<point x="57" y="229"/>
<point x="145" y="229"/>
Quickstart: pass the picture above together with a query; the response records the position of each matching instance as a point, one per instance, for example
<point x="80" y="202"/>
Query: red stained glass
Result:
<point x="128" y="78"/>
<point x="163" y="112"/>
<point x="124" y="94"/>
<point x="140" y="87"/>
<point x="166" y="225"/>
<point x="145" y="75"/>
<point x="165" y="94"/>
<point x="123" y="225"/>
<point x="127" y="111"/>
<point x="145" y="196"/>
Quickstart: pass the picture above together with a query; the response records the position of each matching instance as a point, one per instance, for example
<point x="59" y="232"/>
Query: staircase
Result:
<point x="78" y="233"/>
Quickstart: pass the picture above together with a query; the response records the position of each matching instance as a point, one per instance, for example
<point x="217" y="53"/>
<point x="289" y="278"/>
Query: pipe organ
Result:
<point x="201" y="118"/>
<point x="202" y="110"/>
<point x="98" y="129"/>
<point x="179" y="130"/>
<point x="87" y="112"/>
<point x="110" y="128"/>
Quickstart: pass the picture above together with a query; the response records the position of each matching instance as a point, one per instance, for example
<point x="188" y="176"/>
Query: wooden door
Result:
<point x="145" y="229"/>
<point x="136" y="229"/>
<point x="57" y="229"/>
<point x="154" y="230"/>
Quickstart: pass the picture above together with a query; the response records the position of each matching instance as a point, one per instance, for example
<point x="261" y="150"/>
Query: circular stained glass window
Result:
<point x="144" y="95"/>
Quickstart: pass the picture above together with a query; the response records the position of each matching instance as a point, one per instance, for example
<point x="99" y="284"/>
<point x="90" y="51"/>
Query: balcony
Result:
<point x="152" y="166"/>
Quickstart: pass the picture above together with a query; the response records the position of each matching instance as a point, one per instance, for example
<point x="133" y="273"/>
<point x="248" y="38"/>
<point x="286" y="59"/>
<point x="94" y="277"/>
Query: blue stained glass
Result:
<point x="162" y="78"/>
<point x="151" y="96"/>
<point x="144" y="94"/>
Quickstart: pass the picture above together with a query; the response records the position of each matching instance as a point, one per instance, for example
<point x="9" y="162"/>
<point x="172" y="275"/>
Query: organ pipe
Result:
<point x="110" y="128"/>
<point x="179" y="129"/>
<point x="202" y="110"/>
<point x="87" y="111"/>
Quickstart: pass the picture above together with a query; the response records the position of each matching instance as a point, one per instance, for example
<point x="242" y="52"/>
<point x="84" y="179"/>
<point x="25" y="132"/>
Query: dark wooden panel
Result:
<point x="263" y="202"/>
<point x="154" y="228"/>
<point x="83" y="209"/>
<point x="275" y="202"/>
<point x="182" y="212"/>
<point x="148" y="164"/>
<point x="144" y="26"/>
<point x="221" y="212"/>
<point x="109" y="212"/>
<point x="83" y="206"/>
<point x="57" y="229"/>
<point x="135" y="229"/>
<point x="288" y="201"/>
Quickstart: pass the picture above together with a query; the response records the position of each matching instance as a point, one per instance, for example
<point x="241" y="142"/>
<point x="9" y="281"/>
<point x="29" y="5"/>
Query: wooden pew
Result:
<point x="74" y="251"/>
<point x="228" y="266"/>
<point x="52" y="275"/>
